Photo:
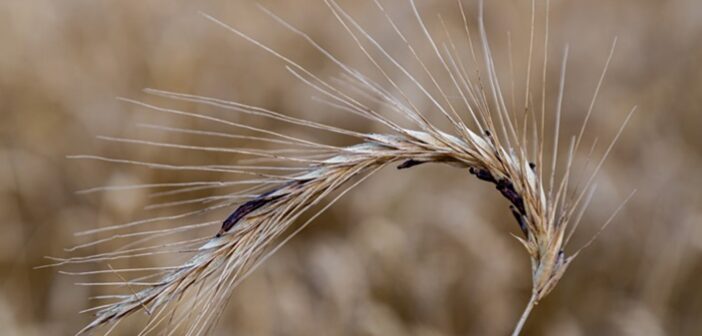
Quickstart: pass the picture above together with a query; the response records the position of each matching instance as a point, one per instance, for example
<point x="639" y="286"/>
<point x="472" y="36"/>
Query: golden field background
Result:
<point x="419" y="252"/>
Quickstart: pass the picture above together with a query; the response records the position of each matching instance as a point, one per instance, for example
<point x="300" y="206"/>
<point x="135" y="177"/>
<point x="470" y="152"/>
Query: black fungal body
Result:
<point x="244" y="210"/>
<point x="507" y="190"/>
<point x="253" y="205"/>
<point x="409" y="164"/>
<point x="521" y="220"/>
<point x="482" y="174"/>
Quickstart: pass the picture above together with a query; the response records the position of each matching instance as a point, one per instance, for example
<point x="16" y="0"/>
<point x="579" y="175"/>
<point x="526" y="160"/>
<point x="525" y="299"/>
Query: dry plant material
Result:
<point x="495" y="144"/>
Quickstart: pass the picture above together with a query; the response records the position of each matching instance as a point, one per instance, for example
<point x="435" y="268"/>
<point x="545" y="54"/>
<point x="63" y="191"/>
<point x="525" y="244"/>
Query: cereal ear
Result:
<point x="293" y="180"/>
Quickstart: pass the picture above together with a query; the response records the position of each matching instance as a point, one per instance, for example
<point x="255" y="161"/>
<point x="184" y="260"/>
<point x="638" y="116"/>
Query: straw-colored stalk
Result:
<point x="498" y="147"/>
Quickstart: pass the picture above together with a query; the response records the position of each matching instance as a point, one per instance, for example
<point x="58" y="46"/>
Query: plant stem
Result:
<point x="525" y="315"/>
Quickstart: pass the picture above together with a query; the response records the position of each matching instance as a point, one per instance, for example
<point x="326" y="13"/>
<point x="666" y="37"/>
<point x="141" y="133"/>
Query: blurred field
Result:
<point x="418" y="252"/>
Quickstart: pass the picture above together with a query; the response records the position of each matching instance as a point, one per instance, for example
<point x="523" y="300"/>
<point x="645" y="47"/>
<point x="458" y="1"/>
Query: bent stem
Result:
<point x="525" y="315"/>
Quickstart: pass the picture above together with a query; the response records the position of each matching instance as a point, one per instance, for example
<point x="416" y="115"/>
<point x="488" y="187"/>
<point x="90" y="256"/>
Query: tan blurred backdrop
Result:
<point x="418" y="252"/>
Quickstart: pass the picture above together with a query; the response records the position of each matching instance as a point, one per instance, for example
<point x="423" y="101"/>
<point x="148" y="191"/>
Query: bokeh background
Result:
<point x="425" y="251"/>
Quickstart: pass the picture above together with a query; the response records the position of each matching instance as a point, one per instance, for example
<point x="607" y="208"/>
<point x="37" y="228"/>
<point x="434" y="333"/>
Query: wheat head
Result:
<point x="496" y="145"/>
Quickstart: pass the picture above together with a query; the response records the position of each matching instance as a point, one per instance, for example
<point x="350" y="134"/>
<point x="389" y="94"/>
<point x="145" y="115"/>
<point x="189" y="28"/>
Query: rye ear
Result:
<point x="492" y="142"/>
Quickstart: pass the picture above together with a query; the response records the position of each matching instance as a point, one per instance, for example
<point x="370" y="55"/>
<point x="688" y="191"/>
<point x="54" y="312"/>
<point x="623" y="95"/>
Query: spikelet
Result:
<point x="188" y="299"/>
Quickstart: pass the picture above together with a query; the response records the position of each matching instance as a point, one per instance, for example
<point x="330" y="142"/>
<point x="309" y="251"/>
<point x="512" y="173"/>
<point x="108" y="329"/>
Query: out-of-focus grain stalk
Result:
<point x="525" y="315"/>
